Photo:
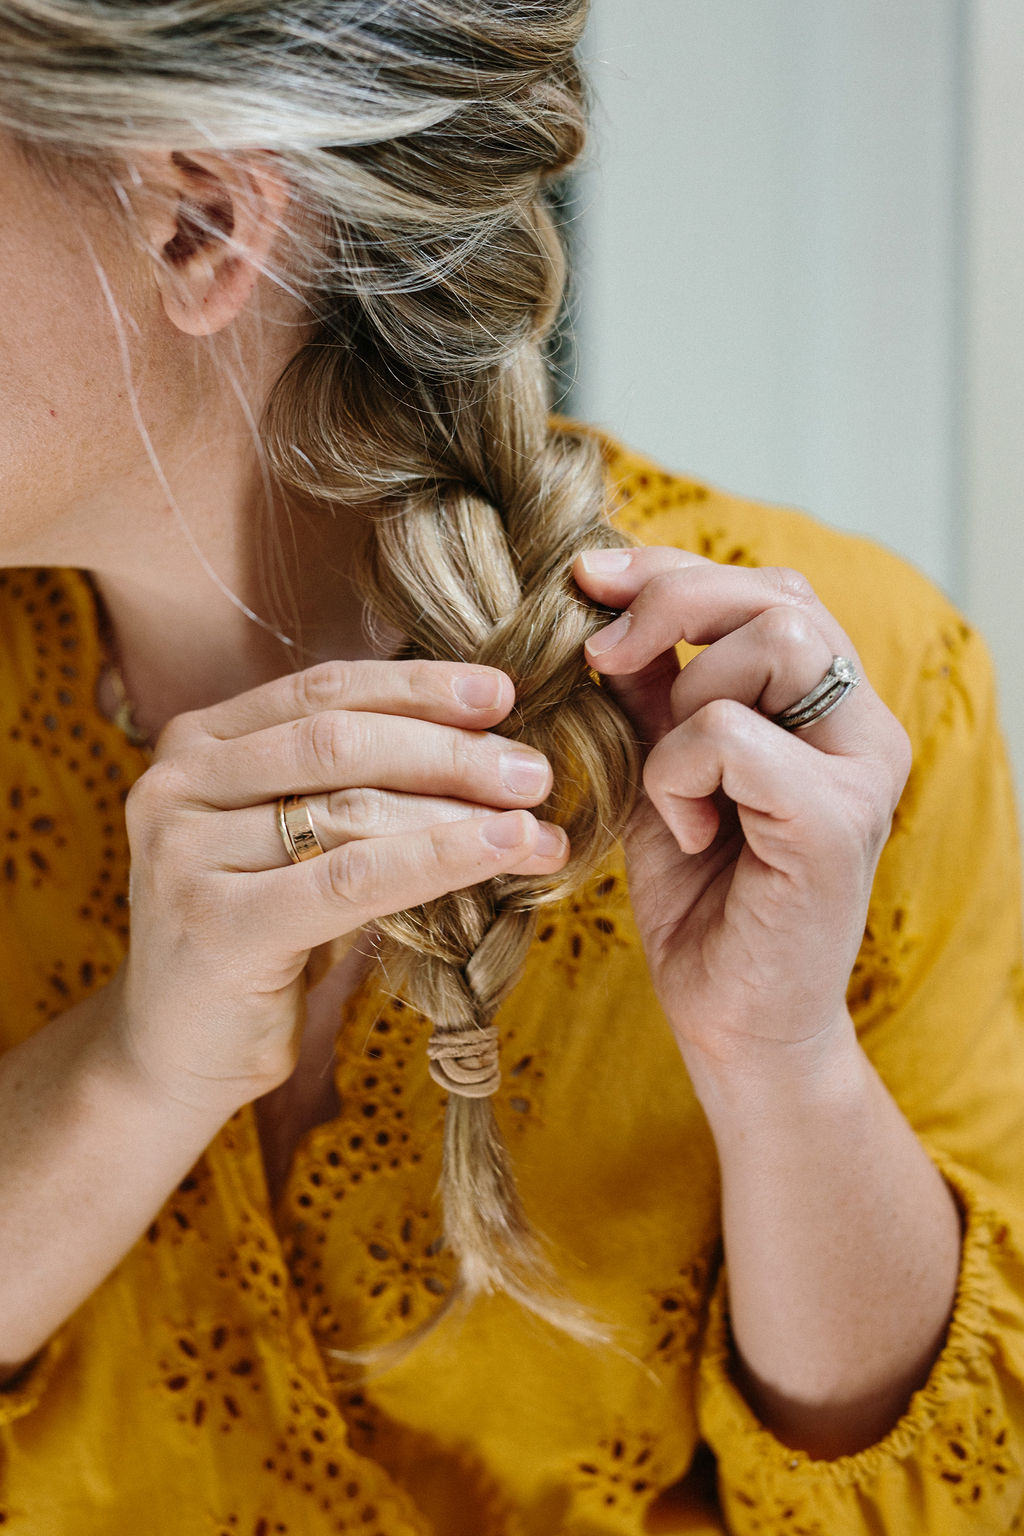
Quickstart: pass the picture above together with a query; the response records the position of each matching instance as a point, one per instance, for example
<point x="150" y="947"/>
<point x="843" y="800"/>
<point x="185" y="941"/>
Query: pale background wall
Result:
<point x="800" y="247"/>
<point x="992" y="415"/>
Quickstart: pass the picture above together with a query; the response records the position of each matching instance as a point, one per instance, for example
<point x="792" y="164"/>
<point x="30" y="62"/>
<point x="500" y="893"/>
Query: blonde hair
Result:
<point x="421" y="138"/>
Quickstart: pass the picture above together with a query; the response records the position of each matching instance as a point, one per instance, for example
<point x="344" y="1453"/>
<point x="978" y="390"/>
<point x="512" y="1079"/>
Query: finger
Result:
<point x="700" y="604"/>
<point x="792" y="802"/>
<point x="347" y="750"/>
<point x="250" y="839"/>
<point x="448" y="693"/>
<point x="615" y="576"/>
<point x="312" y="902"/>
<point x="770" y="664"/>
<point x="646" y="696"/>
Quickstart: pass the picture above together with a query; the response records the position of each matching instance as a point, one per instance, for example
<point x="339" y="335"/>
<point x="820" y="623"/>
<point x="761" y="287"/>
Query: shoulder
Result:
<point x="903" y="627"/>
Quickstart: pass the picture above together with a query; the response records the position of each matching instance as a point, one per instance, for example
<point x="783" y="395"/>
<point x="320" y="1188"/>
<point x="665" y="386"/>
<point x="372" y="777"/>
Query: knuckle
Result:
<point x="357" y="812"/>
<point x="320" y="687"/>
<point x="721" y="717"/>
<point x="137" y="799"/>
<point x="462" y="756"/>
<point x="326" y="740"/>
<point x="162" y="784"/>
<point x="902" y="756"/>
<point x="653" y="778"/>
<point x="349" y="875"/>
<point x="165" y="856"/>
<point x="442" y="856"/>
<point x="427" y="680"/>
<point x="272" y="1063"/>
<point x="179" y="732"/>
<point x="861" y="819"/>
<point x="788" y="628"/>
<point x="790" y="584"/>
<point x="665" y="585"/>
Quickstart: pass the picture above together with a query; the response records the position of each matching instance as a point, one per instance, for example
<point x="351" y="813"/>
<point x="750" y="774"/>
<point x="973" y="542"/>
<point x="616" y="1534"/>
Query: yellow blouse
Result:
<point x="192" y="1394"/>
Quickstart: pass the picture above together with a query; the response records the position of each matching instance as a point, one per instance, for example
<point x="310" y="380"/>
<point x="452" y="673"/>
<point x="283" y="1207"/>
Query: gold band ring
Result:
<point x="297" y="830"/>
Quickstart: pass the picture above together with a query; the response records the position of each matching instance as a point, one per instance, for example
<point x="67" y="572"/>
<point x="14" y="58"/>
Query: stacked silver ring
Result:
<point x="840" y="679"/>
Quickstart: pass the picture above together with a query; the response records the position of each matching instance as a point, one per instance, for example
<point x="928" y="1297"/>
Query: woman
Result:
<point x="277" y="285"/>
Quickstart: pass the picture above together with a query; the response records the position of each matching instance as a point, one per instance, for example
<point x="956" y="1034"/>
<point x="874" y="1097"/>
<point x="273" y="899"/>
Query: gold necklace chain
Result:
<point x="124" y="714"/>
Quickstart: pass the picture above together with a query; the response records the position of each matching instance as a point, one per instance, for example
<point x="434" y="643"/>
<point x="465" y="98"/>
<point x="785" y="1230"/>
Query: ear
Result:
<point x="211" y="232"/>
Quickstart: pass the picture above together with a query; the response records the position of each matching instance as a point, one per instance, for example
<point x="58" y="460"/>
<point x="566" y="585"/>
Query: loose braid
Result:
<point x="420" y="138"/>
<point x="473" y="565"/>
<point x="462" y="954"/>
<point x="470" y="561"/>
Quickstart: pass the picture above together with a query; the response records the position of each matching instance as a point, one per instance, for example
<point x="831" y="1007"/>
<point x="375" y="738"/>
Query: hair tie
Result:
<point x="465" y="1061"/>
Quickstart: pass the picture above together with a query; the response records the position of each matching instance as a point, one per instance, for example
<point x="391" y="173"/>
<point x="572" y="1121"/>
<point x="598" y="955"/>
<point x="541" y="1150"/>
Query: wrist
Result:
<point x="779" y="1081"/>
<point x="117" y="1071"/>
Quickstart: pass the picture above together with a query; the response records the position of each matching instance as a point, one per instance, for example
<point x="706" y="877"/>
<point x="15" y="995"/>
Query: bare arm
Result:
<point x="88" y="1156"/>
<point x="842" y="1242"/>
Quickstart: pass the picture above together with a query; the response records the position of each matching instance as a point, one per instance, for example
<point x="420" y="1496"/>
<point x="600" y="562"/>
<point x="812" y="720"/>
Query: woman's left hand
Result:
<point x="752" y="851"/>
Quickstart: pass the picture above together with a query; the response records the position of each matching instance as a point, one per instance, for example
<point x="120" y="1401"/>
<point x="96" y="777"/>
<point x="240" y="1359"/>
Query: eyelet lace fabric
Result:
<point x="203" y="1390"/>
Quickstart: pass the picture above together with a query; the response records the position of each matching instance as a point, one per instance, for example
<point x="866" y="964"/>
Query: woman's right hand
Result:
<point x="411" y="798"/>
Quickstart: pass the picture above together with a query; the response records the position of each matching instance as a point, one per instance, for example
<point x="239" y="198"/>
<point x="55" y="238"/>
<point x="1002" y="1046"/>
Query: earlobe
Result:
<point x="225" y="215"/>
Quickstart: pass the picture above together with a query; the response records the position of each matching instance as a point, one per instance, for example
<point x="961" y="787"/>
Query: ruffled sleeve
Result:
<point x="952" y="1464"/>
<point x="937" y="999"/>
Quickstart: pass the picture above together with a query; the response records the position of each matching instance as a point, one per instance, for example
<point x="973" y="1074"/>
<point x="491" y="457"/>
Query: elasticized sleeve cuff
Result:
<point x="953" y="1463"/>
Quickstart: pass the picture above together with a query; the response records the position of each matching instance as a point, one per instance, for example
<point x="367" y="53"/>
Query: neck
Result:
<point x="182" y="645"/>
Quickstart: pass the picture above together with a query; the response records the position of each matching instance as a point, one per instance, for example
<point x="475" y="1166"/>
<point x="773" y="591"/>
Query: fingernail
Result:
<point x="551" y="840"/>
<point x="602" y="561"/>
<point x="479" y="690"/>
<point x="503" y="831"/>
<point x="608" y="638"/>
<point x="524" y="773"/>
